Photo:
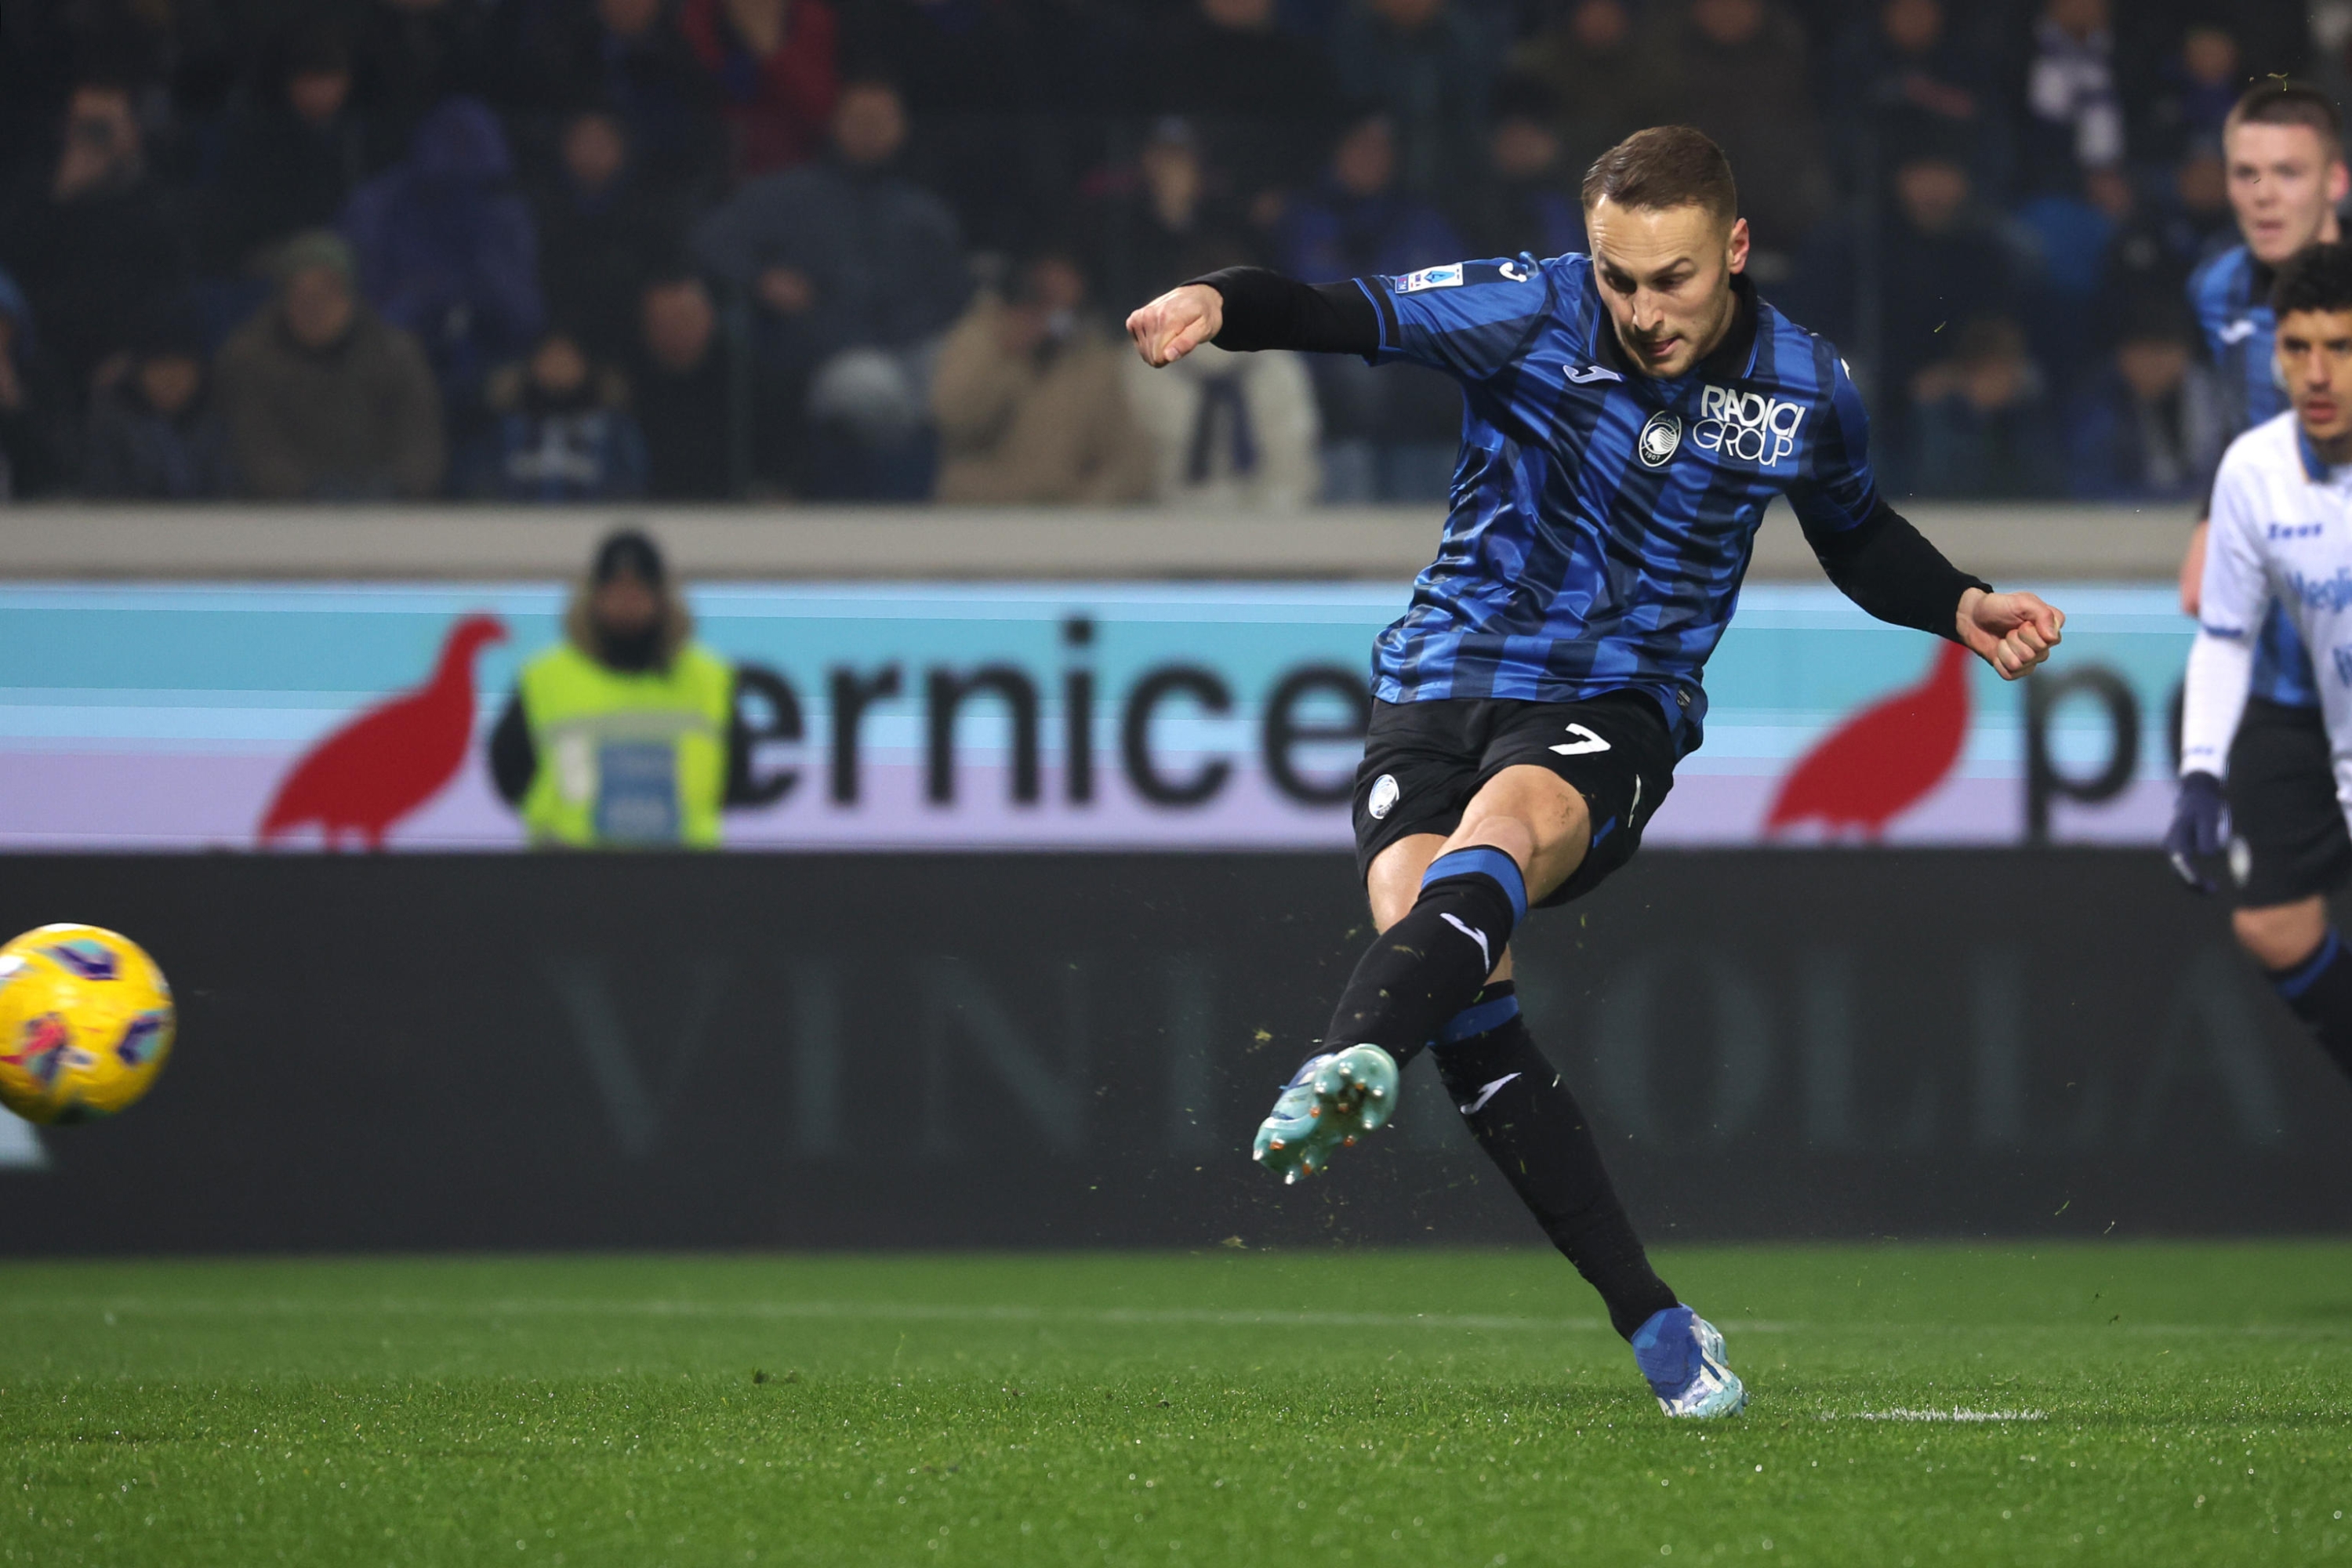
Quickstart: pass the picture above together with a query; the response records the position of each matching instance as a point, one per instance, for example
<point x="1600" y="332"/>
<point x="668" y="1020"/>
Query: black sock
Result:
<point x="2319" y="991"/>
<point x="1533" y="1130"/>
<point x="1429" y="966"/>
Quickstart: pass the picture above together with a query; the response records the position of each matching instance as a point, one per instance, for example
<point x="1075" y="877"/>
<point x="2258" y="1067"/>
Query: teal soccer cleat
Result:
<point x="1330" y="1101"/>
<point x="1681" y="1355"/>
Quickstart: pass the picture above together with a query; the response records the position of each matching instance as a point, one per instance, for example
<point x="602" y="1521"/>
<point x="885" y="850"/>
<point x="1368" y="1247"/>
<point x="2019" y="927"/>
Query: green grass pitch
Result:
<point x="2116" y="1404"/>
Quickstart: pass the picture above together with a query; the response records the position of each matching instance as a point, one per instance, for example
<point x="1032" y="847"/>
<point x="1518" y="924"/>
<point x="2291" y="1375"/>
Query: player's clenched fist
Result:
<point x="2011" y="632"/>
<point x="1176" y="323"/>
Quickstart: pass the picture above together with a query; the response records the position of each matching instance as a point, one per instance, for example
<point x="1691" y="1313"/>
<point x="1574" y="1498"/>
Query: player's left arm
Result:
<point x="1891" y="570"/>
<point x="1882" y="564"/>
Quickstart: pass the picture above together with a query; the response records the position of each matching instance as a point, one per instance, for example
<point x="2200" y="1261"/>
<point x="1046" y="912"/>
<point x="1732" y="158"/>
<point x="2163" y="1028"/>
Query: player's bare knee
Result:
<point x="2281" y="935"/>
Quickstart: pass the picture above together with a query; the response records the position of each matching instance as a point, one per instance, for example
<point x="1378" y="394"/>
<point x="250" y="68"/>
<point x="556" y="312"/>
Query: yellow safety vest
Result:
<point x="626" y="758"/>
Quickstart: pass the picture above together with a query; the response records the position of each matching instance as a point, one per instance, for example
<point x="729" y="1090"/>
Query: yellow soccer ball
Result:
<point x="85" y="1024"/>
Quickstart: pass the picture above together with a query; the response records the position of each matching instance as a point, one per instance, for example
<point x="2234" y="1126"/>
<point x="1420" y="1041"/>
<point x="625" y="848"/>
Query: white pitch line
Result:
<point x="894" y="1312"/>
<point x="1957" y="1413"/>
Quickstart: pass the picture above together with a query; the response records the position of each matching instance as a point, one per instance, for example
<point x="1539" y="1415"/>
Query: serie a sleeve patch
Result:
<point x="1446" y="277"/>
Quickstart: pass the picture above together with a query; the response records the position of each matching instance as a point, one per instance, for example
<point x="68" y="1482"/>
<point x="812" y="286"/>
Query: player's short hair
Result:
<point x="1665" y="166"/>
<point x="2279" y="102"/>
<point x="2316" y="277"/>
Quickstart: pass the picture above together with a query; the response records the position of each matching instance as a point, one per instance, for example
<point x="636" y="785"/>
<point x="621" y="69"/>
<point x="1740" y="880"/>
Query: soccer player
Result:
<point x="2281" y="545"/>
<point x="1627" y="416"/>
<point x="2283" y="144"/>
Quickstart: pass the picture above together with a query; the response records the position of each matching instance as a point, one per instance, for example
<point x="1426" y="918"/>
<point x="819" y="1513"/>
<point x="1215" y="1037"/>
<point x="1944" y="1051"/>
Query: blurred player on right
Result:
<point x="2288" y="849"/>
<point x="2280" y="545"/>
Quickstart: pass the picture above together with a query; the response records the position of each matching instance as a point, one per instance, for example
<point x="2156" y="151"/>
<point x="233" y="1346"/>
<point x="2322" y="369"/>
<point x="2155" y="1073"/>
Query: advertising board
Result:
<point x="428" y="1051"/>
<point x="1040" y="716"/>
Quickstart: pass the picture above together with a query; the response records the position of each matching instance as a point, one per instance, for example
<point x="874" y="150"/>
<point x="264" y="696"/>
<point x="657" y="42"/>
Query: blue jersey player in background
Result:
<point x="1627" y="418"/>
<point x="2273" y="821"/>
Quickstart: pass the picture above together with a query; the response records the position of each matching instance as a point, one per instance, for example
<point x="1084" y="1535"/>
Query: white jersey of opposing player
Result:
<point x="2282" y="531"/>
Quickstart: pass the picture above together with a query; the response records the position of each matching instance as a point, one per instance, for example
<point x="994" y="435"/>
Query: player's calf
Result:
<point x="1524" y="1116"/>
<point x="2319" y="990"/>
<point x="1430" y="965"/>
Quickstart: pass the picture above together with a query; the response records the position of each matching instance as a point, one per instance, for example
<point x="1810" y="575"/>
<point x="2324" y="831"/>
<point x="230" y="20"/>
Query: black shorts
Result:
<point x="1423" y="761"/>
<point x="2288" y="838"/>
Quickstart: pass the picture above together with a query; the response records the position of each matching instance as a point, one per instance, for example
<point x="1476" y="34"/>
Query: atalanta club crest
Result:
<point x="1660" y="438"/>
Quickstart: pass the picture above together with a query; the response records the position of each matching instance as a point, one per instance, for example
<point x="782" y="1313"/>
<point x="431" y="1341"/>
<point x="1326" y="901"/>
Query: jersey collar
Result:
<point x="1733" y="359"/>
<point x="2314" y="468"/>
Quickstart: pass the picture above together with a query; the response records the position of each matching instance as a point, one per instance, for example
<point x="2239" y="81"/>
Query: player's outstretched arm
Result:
<point x="2012" y="632"/>
<point x="1890" y="569"/>
<point x="1247" y="307"/>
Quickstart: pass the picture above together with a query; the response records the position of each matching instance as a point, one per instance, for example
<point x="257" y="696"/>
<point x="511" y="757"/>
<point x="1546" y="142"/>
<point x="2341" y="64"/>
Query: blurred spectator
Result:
<point x="1525" y="199"/>
<point x="1358" y="222"/>
<point x="628" y="57"/>
<point x="680" y="381"/>
<point x="560" y="430"/>
<point x="1938" y="261"/>
<point x="153" y="432"/>
<point x="409" y="56"/>
<point x="2159" y="242"/>
<point x="1229" y="432"/>
<point x="855" y="272"/>
<point x="1424" y="65"/>
<point x="1147" y="224"/>
<point x="604" y="224"/>
<point x="446" y="249"/>
<point x="1031" y="400"/>
<point x="2064" y="244"/>
<point x="1605" y="83"/>
<point x="774" y="63"/>
<point x="1389" y="435"/>
<point x="1262" y="98"/>
<point x="2196" y="82"/>
<point x="1980" y="419"/>
<point x="323" y="399"/>
<point x="1901" y="76"/>
<point x="2151" y="425"/>
<point x="292" y="154"/>
<point x="2074" y="121"/>
<point x="1742" y="78"/>
<point x="625" y="734"/>
<point x="31" y="456"/>
<point x="90" y="239"/>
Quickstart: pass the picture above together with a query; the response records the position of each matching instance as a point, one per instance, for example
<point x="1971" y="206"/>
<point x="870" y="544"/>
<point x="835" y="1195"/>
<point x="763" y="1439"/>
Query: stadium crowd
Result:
<point x="693" y="250"/>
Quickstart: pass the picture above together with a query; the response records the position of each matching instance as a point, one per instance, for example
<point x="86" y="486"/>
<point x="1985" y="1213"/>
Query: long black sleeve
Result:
<point x="513" y="759"/>
<point x="1264" y="310"/>
<point x="1890" y="569"/>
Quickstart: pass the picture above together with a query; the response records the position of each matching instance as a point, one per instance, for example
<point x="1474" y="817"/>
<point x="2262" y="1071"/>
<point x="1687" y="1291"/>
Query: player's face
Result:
<point x="1666" y="275"/>
<point x="2315" y="361"/>
<point x="2284" y="187"/>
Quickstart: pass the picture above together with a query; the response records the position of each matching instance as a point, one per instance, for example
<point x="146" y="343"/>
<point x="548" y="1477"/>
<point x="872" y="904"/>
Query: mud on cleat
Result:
<point x="1681" y="1355"/>
<point x="1331" y="1101"/>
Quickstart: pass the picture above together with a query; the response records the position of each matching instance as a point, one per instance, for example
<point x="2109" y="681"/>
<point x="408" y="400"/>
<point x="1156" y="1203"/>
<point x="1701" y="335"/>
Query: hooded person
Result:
<point x="446" y="246"/>
<point x="625" y="734"/>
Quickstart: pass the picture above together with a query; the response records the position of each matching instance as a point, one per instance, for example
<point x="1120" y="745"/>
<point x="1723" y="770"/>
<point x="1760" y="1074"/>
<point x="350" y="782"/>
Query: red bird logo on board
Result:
<point x="1884" y="759"/>
<point x="364" y="778"/>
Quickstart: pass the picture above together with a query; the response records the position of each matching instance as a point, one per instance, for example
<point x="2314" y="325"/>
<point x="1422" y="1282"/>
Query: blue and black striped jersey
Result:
<point x="1601" y="519"/>
<point x="2231" y="294"/>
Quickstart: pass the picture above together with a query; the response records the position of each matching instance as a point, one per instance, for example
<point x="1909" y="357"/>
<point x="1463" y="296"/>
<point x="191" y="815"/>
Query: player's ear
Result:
<point x="2340" y="183"/>
<point x="1736" y="246"/>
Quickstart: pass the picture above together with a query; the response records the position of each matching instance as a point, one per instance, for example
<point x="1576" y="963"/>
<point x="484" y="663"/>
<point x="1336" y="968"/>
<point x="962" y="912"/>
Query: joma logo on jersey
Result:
<point x="2294" y="530"/>
<point x="1747" y="425"/>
